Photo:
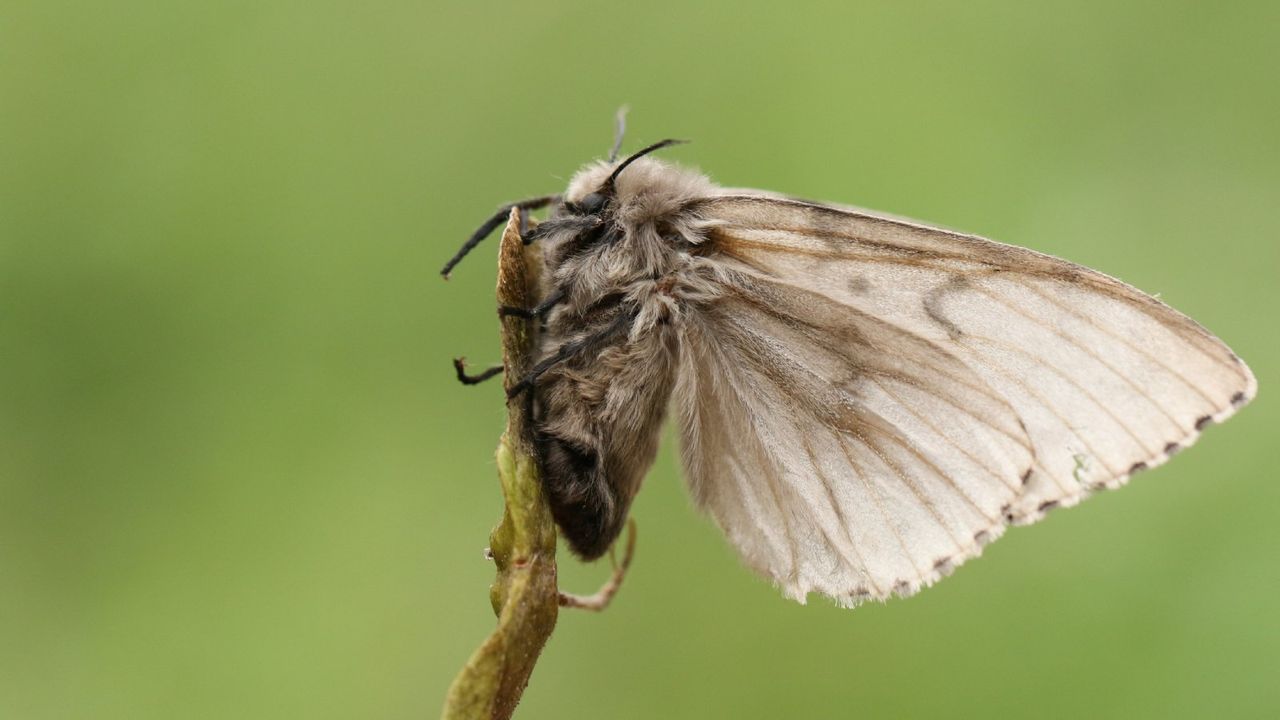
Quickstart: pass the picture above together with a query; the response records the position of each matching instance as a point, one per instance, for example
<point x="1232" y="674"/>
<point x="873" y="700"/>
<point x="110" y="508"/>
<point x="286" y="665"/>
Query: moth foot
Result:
<point x="602" y="597"/>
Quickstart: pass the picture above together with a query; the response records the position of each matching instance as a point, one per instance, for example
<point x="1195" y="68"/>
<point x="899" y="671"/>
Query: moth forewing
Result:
<point x="864" y="401"/>
<point x="1102" y="380"/>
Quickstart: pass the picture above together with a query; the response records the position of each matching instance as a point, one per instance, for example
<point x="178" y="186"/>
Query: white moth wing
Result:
<point x="873" y="399"/>
<point x="840" y="454"/>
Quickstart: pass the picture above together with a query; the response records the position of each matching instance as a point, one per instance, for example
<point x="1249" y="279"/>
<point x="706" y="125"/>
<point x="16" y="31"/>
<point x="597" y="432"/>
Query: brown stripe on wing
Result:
<point x="855" y="236"/>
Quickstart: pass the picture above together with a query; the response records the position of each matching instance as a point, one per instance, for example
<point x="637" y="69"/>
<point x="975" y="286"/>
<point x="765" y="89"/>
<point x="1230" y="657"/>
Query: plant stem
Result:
<point x="524" y="594"/>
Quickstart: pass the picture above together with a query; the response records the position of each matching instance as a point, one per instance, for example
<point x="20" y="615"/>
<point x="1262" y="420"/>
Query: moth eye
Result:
<point x="592" y="203"/>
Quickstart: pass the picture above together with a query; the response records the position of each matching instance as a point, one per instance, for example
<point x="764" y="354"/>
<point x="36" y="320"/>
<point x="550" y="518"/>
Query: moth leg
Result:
<point x="572" y="349"/>
<point x="602" y="597"/>
<point x="542" y="308"/>
<point x="492" y="224"/>
<point x="460" y="365"/>
<point x="575" y="223"/>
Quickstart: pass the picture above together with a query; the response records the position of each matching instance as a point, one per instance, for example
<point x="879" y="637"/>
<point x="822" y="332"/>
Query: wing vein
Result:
<point x="914" y="491"/>
<point x="1070" y="341"/>
<point x="995" y="474"/>
<point x="1044" y="362"/>
<point x="814" y="335"/>
<point x="925" y="259"/>
<point x="1124" y="341"/>
<point x="897" y="470"/>
<point x="840" y="516"/>
<point x="1053" y="411"/>
<point x="875" y="496"/>
<point x="765" y="463"/>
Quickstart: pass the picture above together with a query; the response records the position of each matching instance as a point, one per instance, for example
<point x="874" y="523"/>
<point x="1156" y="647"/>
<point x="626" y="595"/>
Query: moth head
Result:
<point x="636" y="186"/>
<point x="592" y="203"/>
<point x="587" y="194"/>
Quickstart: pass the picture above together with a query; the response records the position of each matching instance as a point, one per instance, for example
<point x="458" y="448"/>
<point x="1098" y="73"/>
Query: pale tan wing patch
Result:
<point x="840" y="454"/>
<point x="1107" y="380"/>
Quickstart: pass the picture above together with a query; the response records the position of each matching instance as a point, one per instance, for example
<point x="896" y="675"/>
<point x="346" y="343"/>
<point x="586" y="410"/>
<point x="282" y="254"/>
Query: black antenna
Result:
<point x="492" y="224"/>
<point x="607" y="188"/>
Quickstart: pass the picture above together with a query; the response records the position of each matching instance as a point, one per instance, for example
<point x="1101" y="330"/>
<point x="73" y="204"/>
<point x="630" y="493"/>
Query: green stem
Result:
<point x="524" y="594"/>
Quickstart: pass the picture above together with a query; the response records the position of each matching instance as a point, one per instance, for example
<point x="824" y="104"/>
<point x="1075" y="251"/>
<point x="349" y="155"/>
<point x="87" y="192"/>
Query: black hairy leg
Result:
<point x="492" y="224"/>
<point x="542" y="308"/>
<point x="576" y="223"/>
<point x="572" y="349"/>
<point x="460" y="365"/>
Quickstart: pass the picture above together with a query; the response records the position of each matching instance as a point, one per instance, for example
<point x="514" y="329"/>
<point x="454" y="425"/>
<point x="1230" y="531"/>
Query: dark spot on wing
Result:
<point x="1238" y="399"/>
<point x="1048" y="505"/>
<point x="1203" y="422"/>
<point x="982" y="537"/>
<point x="901" y="587"/>
<point x="1172" y="448"/>
<point x="933" y="304"/>
<point x="859" y="285"/>
<point x="827" y="226"/>
<point x="1137" y="467"/>
<point x="1026" y="476"/>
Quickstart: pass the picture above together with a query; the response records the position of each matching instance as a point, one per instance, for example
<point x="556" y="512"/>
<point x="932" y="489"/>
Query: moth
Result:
<point x="864" y="401"/>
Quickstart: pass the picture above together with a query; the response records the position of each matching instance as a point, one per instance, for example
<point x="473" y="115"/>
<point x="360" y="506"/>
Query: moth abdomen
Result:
<point x="581" y="500"/>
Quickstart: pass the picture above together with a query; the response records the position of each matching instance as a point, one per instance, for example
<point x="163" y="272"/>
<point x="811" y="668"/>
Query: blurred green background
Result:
<point x="237" y="478"/>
